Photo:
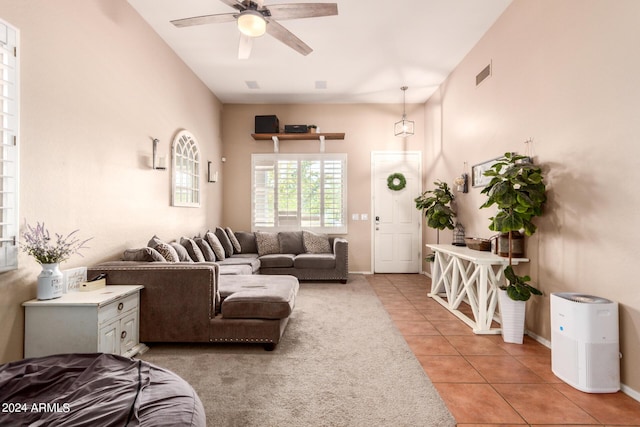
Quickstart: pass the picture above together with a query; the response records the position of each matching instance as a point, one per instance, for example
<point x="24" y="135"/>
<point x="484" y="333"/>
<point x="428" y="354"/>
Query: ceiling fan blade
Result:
<point x="287" y="37"/>
<point x="236" y="4"/>
<point x="302" y="10"/>
<point x="205" y="19"/>
<point x="244" y="47"/>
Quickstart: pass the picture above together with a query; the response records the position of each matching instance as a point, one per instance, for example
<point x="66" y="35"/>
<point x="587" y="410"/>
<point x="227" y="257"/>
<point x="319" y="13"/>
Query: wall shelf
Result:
<point x="277" y="137"/>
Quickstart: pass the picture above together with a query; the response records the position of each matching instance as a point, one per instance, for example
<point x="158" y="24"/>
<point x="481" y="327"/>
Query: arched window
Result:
<point x="186" y="170"/>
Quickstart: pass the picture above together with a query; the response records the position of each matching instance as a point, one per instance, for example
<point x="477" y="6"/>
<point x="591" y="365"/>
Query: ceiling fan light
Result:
<point x="251" y="23"/>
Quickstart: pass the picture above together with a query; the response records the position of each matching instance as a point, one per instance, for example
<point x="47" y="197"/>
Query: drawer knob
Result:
<point x="123" y="335"/>
<point x="120" y="306"/>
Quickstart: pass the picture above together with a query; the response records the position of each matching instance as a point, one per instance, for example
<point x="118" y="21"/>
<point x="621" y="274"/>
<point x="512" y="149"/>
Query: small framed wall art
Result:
<point x="477" y="173"/>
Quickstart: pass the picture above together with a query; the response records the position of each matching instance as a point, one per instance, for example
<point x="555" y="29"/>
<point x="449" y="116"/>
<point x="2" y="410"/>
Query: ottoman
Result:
<point x="254" y="307"/>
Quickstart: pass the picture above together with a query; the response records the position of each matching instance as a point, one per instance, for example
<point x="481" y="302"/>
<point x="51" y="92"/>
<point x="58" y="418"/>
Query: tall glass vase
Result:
<point x="50" y="282"/>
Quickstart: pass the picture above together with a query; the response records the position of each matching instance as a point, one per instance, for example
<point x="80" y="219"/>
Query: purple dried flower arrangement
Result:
<point x="38" y="243"/>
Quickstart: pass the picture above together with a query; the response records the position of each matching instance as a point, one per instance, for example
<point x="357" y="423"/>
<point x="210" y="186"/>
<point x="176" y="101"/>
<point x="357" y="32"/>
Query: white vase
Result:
<point x="512" y="318"/>
<point x="50" y="282"/>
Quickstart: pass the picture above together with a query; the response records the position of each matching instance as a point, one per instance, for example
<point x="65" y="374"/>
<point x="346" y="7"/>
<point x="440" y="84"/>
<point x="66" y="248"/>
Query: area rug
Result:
<point x="341" y="362"/>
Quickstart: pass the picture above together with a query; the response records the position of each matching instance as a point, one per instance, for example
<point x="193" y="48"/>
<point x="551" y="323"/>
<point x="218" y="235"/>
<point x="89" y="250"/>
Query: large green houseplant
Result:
<point x="518" y="191"/>
<point x="436" y="205"/>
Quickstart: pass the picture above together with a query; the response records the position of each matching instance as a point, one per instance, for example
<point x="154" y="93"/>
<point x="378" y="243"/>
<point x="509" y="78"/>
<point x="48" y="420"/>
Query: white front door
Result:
<point x="396" y="221"/>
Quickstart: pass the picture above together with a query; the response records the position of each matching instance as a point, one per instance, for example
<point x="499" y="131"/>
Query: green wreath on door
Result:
<point x="396" y="181"/>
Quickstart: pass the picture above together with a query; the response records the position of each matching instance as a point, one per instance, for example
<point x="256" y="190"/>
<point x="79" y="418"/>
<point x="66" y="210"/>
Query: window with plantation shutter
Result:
<point x="299" y="191"/>
<point x="9" y="148"/>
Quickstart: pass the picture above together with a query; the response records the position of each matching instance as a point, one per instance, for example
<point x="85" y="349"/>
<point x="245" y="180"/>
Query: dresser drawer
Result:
<point x="113" y="310"/>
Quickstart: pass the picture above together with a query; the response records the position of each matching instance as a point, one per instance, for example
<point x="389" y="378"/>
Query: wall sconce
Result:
<point x="462" y="182"/>
<point x="158" y="162"/>
<point x="211" y="177"/>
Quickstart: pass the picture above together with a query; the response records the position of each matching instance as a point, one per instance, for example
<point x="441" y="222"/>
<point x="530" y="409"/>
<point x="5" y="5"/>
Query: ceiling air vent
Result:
<point x="482" y="76"/>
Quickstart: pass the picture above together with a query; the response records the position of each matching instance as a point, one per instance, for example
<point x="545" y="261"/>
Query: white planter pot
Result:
<point x="50" y="282"/>
<point x="512" y="318"/>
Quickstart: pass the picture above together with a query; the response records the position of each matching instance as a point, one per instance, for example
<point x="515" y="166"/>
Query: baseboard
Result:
<point x="538" y="338"/>
<point x="361" y="272"/>
<point x="634" y="394"/>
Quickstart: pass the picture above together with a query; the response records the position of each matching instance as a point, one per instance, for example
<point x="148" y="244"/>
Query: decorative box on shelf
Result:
<point x="478" y="244"/>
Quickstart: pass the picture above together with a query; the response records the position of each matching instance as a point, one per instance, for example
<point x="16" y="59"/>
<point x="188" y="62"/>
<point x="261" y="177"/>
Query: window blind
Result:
<point x="9" y="148"/>
<point x="296" y="191"/>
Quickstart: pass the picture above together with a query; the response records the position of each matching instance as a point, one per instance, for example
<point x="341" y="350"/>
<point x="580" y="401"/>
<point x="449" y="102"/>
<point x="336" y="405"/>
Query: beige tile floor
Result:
<point x="484" y="381"/>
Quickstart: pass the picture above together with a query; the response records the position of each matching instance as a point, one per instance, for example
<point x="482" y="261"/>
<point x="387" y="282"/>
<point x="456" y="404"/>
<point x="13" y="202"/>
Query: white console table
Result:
<point x="461" y="274"/>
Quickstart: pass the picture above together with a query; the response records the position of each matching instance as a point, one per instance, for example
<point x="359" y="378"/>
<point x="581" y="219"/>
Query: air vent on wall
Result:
<point x="483" y="75"/>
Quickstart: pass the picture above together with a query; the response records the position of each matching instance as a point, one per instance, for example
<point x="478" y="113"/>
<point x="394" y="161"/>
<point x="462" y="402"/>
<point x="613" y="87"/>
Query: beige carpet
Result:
<point x="341" y="363"/>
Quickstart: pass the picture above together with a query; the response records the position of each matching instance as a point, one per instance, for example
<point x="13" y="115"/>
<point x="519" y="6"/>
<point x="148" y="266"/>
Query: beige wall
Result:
<point x="97" y="85"/>
<point x="367" y="127"/>
<point x="565" y="73"/>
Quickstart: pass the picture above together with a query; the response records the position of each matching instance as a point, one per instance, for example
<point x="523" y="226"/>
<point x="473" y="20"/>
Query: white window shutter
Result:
<point x="9" y="147"/>
<point x="299" y="191"/>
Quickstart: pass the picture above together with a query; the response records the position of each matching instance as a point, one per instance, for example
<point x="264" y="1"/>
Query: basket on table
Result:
<point x="478" y="244"/>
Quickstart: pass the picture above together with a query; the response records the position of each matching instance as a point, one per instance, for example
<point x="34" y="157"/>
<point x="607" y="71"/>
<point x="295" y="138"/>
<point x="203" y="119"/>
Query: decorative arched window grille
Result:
<point x="186" y="170"/>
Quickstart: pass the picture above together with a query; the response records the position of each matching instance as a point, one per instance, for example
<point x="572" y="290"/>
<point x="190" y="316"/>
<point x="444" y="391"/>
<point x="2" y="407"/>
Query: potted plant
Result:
<point x="50" y="252"/>
<point x="436" y="205"/>
<point x="518" y="191"/>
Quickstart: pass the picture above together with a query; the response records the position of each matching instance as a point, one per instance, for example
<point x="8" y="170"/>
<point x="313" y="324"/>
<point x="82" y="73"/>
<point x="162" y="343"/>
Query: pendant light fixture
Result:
<point x="404" y="127"/>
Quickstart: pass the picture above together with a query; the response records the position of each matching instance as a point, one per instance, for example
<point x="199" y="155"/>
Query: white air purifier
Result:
<point x="585" y="347"/>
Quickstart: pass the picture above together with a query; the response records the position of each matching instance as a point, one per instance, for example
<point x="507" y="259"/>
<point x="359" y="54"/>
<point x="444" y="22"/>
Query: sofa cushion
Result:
<point x="167" y="251"/>
<point x="215" y="244"/>
<point x="315" y="261"/>
<point x="192" y="248"/>
<point x="183" y="255"/>
<point x="291" y="242"/>
<point x="252" y="261"/>
<point x="276" y="260"/>
<point x="234" y="241"/>
<point x="143" y="254"/>
<point x="224" y="240"/>
<point x="206" y="250"/>
<point x="247" y="242"/>
<point x="315" y="243"/>
<point x="237" y="269"/>
<point x="267" y="243"/>
<point x="258" y="297"/>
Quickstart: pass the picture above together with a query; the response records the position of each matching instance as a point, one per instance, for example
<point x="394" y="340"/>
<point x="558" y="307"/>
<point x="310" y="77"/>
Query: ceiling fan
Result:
<point x="254" y="19"/>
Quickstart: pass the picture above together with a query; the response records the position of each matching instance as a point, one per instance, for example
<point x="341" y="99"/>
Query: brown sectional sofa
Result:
<point x="246" y="296"/>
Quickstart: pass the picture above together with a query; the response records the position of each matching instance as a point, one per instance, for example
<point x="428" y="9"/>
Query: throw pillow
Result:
<point x="215" y="244"/>
<point x="192" y="248"/>
<point x="183" y="255"/>
<point x="143" y="254"/>
<point x="247" y="242"/>
<point x="291" y="242"/>
<point x="167" y="252"/>
<point x="234" y="241"/>
<point x="206" y="250"/>
<point x="316" y="243"/>
<point x="267" y="243"/>
<point x="224" y="239"/>
<point x="154" y="241"/>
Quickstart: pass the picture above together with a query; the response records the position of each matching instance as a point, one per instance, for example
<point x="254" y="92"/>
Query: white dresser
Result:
<point x="105" y="320"/>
